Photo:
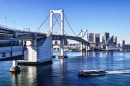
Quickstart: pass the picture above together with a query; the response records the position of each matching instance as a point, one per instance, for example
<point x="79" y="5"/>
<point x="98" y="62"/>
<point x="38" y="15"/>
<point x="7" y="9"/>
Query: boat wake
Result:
<point x="118" y="72"/>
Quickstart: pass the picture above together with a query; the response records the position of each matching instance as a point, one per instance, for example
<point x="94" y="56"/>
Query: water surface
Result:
<point x="64" y="72"/>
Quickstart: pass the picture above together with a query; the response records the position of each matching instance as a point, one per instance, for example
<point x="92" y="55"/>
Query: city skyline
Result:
<point x="98" y="16"/>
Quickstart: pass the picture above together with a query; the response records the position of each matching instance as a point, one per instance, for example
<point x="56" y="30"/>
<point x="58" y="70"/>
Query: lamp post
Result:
<point x="6" y="22"/>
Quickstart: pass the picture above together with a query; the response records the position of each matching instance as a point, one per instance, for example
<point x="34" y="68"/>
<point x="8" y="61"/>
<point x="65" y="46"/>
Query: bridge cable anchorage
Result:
<point x="69" y="25"/>
<point x="53" y="25"/>
<point x="43" y="22"/>
<point x="59" y="24"/>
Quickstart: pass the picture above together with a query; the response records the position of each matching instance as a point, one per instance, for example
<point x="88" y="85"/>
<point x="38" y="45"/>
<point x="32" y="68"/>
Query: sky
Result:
<point x="97" y="16"/>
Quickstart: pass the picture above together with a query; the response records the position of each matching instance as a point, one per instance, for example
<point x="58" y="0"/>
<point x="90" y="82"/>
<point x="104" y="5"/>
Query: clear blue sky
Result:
<point x="97" y="16"/>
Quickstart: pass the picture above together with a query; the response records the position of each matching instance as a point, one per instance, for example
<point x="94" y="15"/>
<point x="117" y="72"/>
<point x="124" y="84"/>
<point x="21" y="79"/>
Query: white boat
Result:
<point x="97" y="72"/>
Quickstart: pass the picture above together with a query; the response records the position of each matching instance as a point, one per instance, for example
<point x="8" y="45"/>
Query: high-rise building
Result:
<point x="122" y="42"/>
<point x="110" y="41"/>
<point x="106" y="36"/>
<point x="103" y="41"/>
<point x="97" y="38"/>
<point x="115" y="40"/>
<point x="91" y="37"/>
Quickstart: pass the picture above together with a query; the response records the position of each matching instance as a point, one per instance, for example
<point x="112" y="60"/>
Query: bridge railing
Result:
<point x="15" y="29"/>
<point x="6" y="27"/>
<point x="7" y="52"/>
<point x="4" y="49"/>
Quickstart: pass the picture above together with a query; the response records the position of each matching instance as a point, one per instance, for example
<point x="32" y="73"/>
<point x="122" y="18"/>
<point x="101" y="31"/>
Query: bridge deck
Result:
<point x="79" y="39"/>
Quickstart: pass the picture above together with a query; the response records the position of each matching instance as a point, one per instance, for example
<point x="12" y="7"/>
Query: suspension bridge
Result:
<point x="35" y="47"/>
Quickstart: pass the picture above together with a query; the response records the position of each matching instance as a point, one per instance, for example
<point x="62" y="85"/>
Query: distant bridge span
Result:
<point x="79" y="39"/>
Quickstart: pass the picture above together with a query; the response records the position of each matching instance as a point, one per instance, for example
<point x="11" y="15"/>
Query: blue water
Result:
<point x="64" y="72"/>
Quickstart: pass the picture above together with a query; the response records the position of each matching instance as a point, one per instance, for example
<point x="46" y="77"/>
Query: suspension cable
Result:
<point x="57" y="20"/>
<point x="54" y="24"/>
<point x="72" y="29"/>
<point x="59" y="24"/>
<point x="84" y="33"/>
<point x="69" y="25"/>
<point x="43" y="23"/>
<point x="80" y="32"/>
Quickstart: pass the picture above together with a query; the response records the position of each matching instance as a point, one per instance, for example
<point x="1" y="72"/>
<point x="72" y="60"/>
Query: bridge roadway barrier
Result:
<point x="11" y="53"/>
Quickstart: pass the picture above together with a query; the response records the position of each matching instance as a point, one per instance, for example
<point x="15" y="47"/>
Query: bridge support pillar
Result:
<point x="62" y="48"/>
<point x="87" y="48"/>
<point x="107" y="47"/>
<point x="81" y="47"/>
<point x="62" y="56"/>
<point x="15" y="67"/>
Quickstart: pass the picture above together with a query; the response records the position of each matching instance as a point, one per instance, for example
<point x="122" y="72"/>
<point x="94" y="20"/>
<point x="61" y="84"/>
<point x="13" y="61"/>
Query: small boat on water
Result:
<point x="97" y="72"/>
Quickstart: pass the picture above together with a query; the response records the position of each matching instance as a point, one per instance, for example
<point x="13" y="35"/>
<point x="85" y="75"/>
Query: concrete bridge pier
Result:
<point x="62" y="55"/>
<point x="15" y="67"/>
<point x="107" y="47"/>
<point x="87" y="48"/>
<point x="81" y="47"/>
<point x="61" y="49"/>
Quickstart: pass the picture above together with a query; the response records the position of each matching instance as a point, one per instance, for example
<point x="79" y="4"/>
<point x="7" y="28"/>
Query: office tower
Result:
<point x="91" y="37"/>
<point x="103" y="41"/>
<point x="122" y="42"/>
<point x="110" y="41"/>
<point x="115" y="40"/>
<point x="97" y="38"/>
<point x="106" y="36"/>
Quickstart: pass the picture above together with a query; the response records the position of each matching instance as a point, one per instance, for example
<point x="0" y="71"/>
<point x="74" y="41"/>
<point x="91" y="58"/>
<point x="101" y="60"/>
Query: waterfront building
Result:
<point x="103" y="41"/>
<point x="91" y="37"/>
<point x="122" y="42"/>
<point x="115" y="40"/>
<point x="110" y="41"/>
<point x="97" y="38"/>
<point x="106" y="36"/>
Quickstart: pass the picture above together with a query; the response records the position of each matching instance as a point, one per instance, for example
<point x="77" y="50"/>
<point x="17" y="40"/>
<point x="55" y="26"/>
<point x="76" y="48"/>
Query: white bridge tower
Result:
<point x="61" y="12"/>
